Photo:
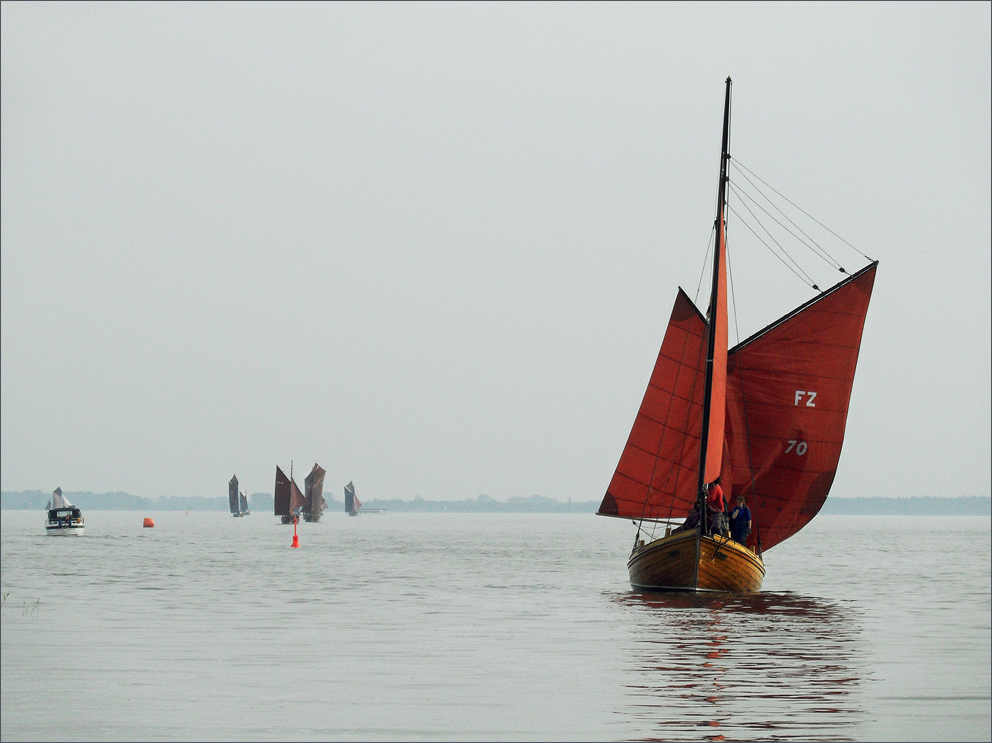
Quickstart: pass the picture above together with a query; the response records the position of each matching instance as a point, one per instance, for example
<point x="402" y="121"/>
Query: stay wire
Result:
<point x="702" y="272"/>
<point x="744" y="167"/>
<point x="802" y="275"/>
<point x="771" y="236"/>
<point x="817" y="250"/>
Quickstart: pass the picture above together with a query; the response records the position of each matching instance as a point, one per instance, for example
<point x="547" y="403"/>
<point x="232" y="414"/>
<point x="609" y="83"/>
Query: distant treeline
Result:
<point x="30" y="500"/>
<point x="485" y="504"/>
<point x="262" y="502"/>
<point x="967" y="505"/>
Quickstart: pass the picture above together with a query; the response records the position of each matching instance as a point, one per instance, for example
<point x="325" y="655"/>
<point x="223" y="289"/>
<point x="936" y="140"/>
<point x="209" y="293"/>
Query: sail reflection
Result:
<point x="766" y="666"/>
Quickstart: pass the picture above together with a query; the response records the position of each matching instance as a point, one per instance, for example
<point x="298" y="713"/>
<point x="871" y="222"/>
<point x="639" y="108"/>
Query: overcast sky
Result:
<point x="434" y="247"/>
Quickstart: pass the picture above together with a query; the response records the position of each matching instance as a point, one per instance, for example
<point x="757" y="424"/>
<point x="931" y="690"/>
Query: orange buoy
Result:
<point x="296" y="539"/>
<point x="148" y="523"/>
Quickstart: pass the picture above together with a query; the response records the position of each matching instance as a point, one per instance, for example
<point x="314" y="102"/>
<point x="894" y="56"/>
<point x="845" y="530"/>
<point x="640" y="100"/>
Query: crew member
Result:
<point x="715" y="507"/>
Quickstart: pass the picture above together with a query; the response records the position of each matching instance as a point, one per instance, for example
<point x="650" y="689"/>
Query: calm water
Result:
<point x="484" y="627"/>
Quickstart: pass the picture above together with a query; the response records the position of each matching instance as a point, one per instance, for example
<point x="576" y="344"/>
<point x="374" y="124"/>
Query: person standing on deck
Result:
<point x="716" y="507"/>
<point x="740" y="521"/>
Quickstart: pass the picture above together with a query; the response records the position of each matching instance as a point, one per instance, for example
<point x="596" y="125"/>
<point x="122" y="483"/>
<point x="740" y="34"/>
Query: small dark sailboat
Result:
<point x="288" y="502"/>
<point x="766" y="419"/>
<point x="313" y="494"/>
<point x="237" y="501"/>
<point x="351" y="502"/>
<point x="353" y="506"/>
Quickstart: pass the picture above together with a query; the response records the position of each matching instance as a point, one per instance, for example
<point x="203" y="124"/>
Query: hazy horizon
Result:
<point x="434" y="247"/>
<point x="332" y="498"/>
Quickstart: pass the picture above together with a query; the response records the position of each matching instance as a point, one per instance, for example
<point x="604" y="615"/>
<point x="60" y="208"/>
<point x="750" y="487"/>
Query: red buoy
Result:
<point x="148" y="523"/>
<point x="296" y="539"/>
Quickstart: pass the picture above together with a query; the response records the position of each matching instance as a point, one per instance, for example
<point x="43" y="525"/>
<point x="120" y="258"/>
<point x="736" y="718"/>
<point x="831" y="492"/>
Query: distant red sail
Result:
<point x="296" y="498"/>
<point x="313" y="494"/>
<point x="281" y="500"/>
<point x="349" y="498"/>
<point x="232" y="494"/>
<point x="656" y="475"/>
<point x="788" y="389"/>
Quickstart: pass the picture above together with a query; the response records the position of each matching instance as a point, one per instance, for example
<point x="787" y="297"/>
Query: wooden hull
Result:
<point x="688" y="561"/>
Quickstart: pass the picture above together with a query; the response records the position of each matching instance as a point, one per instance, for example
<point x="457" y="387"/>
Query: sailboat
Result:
<point x="351" y="502"/>
<point x="353" y="506"/>
<point x="313" y="493"/>
<point x="765" y="419"/>
<point x="288" y="501"/>
<point x="237" y="501"/>
<point x="63" y="517"/>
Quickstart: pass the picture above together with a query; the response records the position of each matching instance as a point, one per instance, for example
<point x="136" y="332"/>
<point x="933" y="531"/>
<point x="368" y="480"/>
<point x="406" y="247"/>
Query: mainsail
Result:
<point x="787" y="395"/>
<point x="59" y="500"/>
<point x="282" y="494"/>
<point x="314" y="493"/>
<point x="296" y="499"/>
<point x="232" y="495"/>
<point x="788" y="389"/>
<point x="351" y="502"/>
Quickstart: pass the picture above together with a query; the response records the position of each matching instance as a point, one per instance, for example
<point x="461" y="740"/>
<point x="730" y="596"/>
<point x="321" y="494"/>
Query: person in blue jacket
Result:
<point x="740" y="521"/>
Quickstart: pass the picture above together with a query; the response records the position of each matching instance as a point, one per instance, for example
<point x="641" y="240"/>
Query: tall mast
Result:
<point x="714" y="395"/>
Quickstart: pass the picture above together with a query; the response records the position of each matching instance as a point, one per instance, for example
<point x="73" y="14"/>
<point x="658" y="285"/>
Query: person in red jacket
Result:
<point x="716" y="508"/>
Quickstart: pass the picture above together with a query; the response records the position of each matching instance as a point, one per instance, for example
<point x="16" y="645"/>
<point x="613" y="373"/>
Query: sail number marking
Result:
<point x="804" y="395"/>
<point x="799" y="446"/>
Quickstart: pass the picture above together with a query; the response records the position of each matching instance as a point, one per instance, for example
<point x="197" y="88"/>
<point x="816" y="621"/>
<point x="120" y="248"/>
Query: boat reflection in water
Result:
<point x="766" y="666"/>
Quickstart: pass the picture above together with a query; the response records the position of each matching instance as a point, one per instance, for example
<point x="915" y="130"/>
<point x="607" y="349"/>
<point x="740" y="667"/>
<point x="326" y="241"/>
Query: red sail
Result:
<point x="656" y="475"/>
<point x="788" y="389"/>
<point x="281" y="493"/>
<point x="313" y="487"/>
<point x="718" y="395"/>
<point x="296" y="499"/>
<point x="232" y="494"/>
<point x="349" y="497"/>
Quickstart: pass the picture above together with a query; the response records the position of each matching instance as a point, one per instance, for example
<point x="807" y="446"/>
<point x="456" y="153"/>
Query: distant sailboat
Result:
<point x="63" y="517"/>
<point x="353" y="506"/>
<point x="288" y="501"/>
<point x="313" y="494"/>
<point x="351" y="502"/>
<point x="236" y="501"/>
<point x="765" y="420"/>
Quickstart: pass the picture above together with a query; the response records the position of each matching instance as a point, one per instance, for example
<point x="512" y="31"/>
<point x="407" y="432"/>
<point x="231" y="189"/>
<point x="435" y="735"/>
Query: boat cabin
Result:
<point x="68" y="515"/>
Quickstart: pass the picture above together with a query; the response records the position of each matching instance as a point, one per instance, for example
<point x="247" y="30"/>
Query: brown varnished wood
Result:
<point x="680" y="562"/>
